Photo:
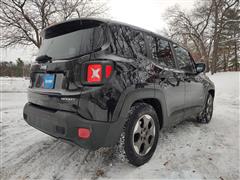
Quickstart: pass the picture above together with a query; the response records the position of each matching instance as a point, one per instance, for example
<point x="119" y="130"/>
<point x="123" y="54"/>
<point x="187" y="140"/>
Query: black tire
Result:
<point x="206" y="115"/>
<point x="141" y="133"/>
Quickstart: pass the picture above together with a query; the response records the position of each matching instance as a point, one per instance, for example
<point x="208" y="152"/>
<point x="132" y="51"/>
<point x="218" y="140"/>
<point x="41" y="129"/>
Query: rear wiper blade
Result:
<point x="44" y="58"/>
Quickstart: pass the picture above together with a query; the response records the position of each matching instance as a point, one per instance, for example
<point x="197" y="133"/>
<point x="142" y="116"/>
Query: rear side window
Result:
<point x="121" y="41"/>
<point x="160" y="51"/>
<point x="183" y="59"/>
<point x="128" y="42"/>
<point x="138" y="42"/>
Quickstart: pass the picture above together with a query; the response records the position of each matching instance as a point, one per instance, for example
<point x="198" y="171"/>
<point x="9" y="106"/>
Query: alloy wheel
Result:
<point x="209" y="108"/>
<point x="143" y="135"/>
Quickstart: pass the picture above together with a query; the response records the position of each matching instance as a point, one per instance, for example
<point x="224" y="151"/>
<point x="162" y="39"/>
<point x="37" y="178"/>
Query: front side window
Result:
<point x="160" y="52"/>
<point x="183" y="59"/>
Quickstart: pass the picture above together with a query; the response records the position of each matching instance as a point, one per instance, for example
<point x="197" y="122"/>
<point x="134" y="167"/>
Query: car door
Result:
<point x="194" y="90"/>
<point x="169" y="81"/>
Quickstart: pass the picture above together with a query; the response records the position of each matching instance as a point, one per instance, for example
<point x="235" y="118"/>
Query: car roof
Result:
<point x="112" y="22"/>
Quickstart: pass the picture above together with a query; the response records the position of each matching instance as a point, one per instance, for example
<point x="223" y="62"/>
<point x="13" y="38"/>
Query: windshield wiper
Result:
<point x="44" y="58"/>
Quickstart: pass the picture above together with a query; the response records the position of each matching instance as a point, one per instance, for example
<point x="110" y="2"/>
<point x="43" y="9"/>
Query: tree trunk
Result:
<point x="215" y="39"/>
<point x="236" y="56"/>
<point x="224" y="61"/>
<point x="205" y="55"/>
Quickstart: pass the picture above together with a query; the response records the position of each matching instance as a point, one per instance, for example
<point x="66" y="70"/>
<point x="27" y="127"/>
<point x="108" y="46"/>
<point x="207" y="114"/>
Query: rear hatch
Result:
<point x="55" y="76"/>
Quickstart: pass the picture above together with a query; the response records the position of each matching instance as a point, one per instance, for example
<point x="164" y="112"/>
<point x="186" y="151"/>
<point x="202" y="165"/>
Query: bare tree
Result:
<point x="220" y="9"/>
<point x="190" y="29"/>
<point x="22" y="21"/>
<point x="229" y="41"/>
<point x="201" y="29"/>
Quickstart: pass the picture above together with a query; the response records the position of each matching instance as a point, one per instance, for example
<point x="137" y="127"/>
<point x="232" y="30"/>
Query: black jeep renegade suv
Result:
<point x="96" y="80"/>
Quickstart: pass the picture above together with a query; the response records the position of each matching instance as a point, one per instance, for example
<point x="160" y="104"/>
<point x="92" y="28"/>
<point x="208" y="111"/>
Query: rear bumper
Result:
<point x="64" y="125"/>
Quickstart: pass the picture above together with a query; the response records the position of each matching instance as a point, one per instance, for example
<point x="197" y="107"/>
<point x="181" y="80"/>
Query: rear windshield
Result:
<point x="72" y="39"/>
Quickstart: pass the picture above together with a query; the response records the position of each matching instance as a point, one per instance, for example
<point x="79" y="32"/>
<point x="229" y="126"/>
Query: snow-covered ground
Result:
<point x="8" y="84"/>
<point x="187" y="151"/>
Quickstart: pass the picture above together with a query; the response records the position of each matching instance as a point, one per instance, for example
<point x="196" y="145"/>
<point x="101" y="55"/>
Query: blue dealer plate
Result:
<point x="49" y="81"/>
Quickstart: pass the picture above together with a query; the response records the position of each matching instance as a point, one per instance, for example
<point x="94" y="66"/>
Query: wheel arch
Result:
<point x="155" y="103"/>
<point x="212" y="92"/>
<point x="146" y="95"/>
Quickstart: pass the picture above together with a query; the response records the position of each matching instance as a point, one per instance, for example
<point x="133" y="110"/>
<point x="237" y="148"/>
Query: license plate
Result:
<point x="49" y="81"/>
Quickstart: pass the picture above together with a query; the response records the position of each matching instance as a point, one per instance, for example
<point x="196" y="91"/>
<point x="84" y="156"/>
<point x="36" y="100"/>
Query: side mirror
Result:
<point x="200" y="67"/>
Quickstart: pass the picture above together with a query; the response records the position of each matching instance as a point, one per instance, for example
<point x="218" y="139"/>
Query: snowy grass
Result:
<point x="13" y="84"/>
<point x="187" y="151"/>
